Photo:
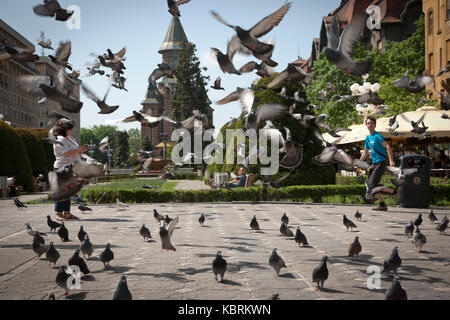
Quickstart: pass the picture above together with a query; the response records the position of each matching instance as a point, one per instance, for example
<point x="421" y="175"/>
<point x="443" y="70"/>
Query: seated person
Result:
<point x="39" y="181"/>
<point x="13" y="189"/>
<point x="235" y="183"/>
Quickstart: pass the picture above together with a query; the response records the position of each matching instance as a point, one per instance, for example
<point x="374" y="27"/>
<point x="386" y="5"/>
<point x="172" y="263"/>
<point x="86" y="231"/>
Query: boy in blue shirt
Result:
<point x="380" y="152"/>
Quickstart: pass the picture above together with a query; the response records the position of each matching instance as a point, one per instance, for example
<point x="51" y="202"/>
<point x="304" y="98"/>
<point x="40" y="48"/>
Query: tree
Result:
<point x="14" y="160"/>
<point x="121" y="152"/>
<point x="190" y="91"/>
<point x="96" y="134"/>
<point x="134" y="140"/>
<point x="35" y="151"/>
<point x="147" y="145"/>
<point x="386" y="67"/>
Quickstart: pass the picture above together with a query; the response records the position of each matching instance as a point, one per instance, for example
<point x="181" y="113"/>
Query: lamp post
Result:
<point x="164" y="137"/>
<point x="109" y="152"/>
<point x="91" y="148"/>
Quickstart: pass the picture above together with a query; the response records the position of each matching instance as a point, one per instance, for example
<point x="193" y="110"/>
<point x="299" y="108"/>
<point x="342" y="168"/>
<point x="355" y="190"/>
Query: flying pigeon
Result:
<point x="86" y="169"/>
<point x="62" y="55"/>
<point x="63" y="233"/>
<point x="396" y="292"/>
<point x="320" y="273"/>
<point x="393" y="263"/>
<point x="52" y="8"/>
<point x="355" y="248"/>
<point x="145" y="232"/>
<point x="358" y="215"/>
<point x="409" y="229"/>
<point x="86" y="247"/>
<point x="225" y="64"/>
<point x="219" y="266"/>
<point x="38" y="248"/>
<point x="254" y="225"/>
<point x="61" y="279"/>
<point x="122" y="292"/>
<point x="249" y="37"/>
<point x="52" y="224"/>
<point x="285" y="231"/>
<point x="300" y="238"/>
<point x="416" y="85"/>
<point x="76" y="260"/>
<point x="52" y="255"/>
<point x="342" y="53"/>
<point x="201" y="220"/>
<point x="81" y="234"/>
<point x="106" y="255"/>
<point x="121" y="205"/>
<point x="419" y="240"/>
<point x="276" y="262"/>
<point x="348" y="223"/>
<point x="21" y="54"/>
<point x="293" y="73"/>
<point x="217" y="84"/>
<point x="234" y="96"/>
<point x="262" y="69"/>
<point x="285" y="219"/>
<point x="163" y="70"/>
<point x="418" y="220"/>
<point x="104" y="108"/>
<point x="294" y="156"/>
<point x="142" y="118"/>
<point x="173" y="6"/>
<point x="64" y="184"/>
<point x="19" y="204"/>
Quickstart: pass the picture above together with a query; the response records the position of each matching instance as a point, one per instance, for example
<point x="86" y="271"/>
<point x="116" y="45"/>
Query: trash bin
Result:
<point x="415" y="193"/>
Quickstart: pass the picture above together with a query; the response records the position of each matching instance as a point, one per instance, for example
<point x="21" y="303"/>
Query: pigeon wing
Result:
<point x="89" y="93"/>
<point x="269" y="112"/>
<point x="268" y="23"/>
<point x="220" y="19"/>
<point x="278" y="79"/>
<point x="86" y="170"/>
<point x="31" y="83"/>
<point x="351" y="35"/>
<point x="423" y="81"/>
<point x="121" y="53"/>
<point x="42" y="10"/>
<point x="63" y="52"/>
<point x="248" y="67"/>
<point x="247" y="97"/>
<point x="234" y="96"/>
<point x="235" y="45"/>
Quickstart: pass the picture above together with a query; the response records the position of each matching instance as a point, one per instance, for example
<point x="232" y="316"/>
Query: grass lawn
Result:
<point x="139" y="183"/>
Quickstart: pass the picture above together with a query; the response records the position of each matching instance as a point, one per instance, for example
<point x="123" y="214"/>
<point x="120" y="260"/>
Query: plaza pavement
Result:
<point x="187" y="274"/>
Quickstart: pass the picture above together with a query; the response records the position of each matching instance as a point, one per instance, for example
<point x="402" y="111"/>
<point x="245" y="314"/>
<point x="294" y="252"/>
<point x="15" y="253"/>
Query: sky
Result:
<point x="141" y="26"/>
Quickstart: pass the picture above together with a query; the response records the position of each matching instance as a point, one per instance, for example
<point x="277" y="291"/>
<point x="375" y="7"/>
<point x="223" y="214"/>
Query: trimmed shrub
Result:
<point x="440" y="194"/>
<point x="184" y="176"/>
<point x="48" y="148"/>
<point x="35" y="150"/>
<point x="14" y="159"/>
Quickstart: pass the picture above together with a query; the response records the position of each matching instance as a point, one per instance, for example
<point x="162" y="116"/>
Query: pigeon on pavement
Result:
<point x="349" y="223"/>
<point x="38" y="248"/>
<point x="219" y="266"/>
<point x="86" y="247"/>
<point x="285" y="219"/>
<point x="122" y="292"/>
<point x="145" y="232"/>
<point x="53" y="224"/>
<point x="419" y="240"/>
<point x="285" y="231"/>
<point x="61" y="279"/>
<point x="300" y="238"/>
<point x="201" y="220"/>
<point x="83" y="208"/>
<point x="320" y="273"/>
<point x="157" y="216"/>
<point x="106" y="255"/>
<point x="432" y="217"/>
<point x="358" y="215"/>
<point x="276" y="262"/>
<point x="52" y="255"/>
<point x="355" y="248"/>
<point x="254" y="225"/>
<point x="418" y="220"/>
<point x="81" y="234"/>
<point x="396" y="292"/>
<point x="63" y="233"/>
<point x="409" y="229"/>
<point x="19" y="204"/>
<point x="393" y="263"/>
<point x="76" y="260"/>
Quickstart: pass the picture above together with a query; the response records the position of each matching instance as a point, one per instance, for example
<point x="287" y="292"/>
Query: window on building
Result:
<point x="41" y="124"/>
<point x="440" y="58"/>
<point x="430" y="63"/>
<point x="430" y="23"/>
<point x="448" y="9"/>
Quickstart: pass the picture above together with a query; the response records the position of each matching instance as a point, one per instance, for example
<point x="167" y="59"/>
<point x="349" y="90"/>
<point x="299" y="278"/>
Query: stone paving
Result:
<point x="190" y="185"/>
<point x="187" y="273"/>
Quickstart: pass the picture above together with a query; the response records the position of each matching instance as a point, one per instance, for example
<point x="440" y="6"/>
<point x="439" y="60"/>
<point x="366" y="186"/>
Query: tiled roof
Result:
<point x="152" y="96"/>
<point x="174" y="37"/>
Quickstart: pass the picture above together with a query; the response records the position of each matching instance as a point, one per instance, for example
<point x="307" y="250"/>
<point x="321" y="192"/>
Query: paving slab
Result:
<point x="186" y="273"/>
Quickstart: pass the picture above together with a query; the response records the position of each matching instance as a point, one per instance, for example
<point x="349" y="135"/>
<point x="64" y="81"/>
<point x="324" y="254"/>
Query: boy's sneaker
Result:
<point x="380" y="208"/>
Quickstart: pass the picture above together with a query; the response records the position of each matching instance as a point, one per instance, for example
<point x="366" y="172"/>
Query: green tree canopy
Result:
<point x="190" y="91"/>
<point x="35" y="151"/>
<point x="387" y="66"/>
<point x="121" y="152"/>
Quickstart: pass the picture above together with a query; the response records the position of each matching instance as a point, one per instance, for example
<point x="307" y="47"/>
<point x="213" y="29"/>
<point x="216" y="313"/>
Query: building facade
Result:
<point x="397" y="23"/>
<point x="437" y="41"/>
<point x="16" y="105"/>
<point x="157" y="101"/>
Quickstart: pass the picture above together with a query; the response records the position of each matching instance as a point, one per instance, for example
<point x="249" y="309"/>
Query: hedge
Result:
<point x="386" y="179"/>
<point x="48" y="148"/>
<point x="185" y="176"/>
<point x="439" y="194"/>
<point x="35" y="151"/>
<point x="113" y="177"/>
<point x="14" y="159"/>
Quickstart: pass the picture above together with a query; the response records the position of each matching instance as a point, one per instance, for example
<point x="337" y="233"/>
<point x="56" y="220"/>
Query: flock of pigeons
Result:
<point x="219" y="264"/>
